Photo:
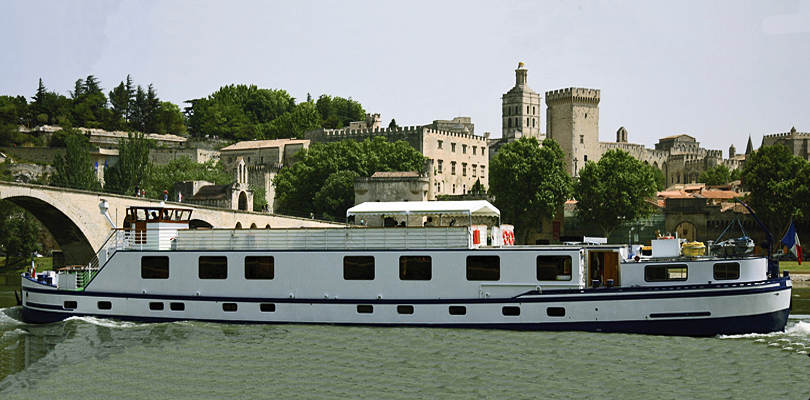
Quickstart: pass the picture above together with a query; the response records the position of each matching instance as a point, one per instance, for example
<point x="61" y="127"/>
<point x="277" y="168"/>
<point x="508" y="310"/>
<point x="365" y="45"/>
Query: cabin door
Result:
<point x="603" y="265"/>
<point x="140" y="232"/>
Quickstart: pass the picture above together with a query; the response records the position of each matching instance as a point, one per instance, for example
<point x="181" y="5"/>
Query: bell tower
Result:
<point x="520" y="111"/>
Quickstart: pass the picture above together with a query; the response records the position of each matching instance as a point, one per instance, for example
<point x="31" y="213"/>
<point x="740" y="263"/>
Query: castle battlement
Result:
<point x="788" y="134"/>
<point x="575" y="95"/>
<point x="405" y="130"/>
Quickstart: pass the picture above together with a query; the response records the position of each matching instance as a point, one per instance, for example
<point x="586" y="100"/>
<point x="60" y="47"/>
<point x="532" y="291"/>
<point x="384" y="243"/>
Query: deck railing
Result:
<point x="289" y="239"/>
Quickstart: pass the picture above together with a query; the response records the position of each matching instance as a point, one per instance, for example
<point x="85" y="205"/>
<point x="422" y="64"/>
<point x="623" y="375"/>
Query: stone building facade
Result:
<point x="236" y="196"/>
<point x="263" y="160"/>
<point x="572" y="119"/>
<point x="458" y="157"/>
<point x="797" y="142"/>
<point x="392" y="186"/>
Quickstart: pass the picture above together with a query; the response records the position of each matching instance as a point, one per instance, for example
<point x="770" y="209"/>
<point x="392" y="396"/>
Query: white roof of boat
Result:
<point x="455" y="208"/>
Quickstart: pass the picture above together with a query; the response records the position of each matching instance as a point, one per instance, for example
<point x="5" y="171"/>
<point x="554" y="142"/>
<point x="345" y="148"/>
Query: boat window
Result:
<point x="458" y="310"/>
<point x="554" y="268"/>
<point x="213" y="267"/>
<point x="177" y="306"/>
<point x="727" y="270"/>
<point x="104" y="305"/>
<point x="405" y="309"/>
<point x="70" y="304"/>
<point x="259" y="267"/>
<point x="156" y="306"/>
<point x="511" y="311"/>
<point x="415" y="268"/>
<point x="661" y="273"/>
<point x="365" y="309"/>
<point x="358" y="268"/>
<point x="555" y="311"/>
<point x="483" y="268"/>
<point x="154" y="267"/>
<point x="267" y="307"/>
<point x="153" y="215"/>
<point x="229" y="307"/>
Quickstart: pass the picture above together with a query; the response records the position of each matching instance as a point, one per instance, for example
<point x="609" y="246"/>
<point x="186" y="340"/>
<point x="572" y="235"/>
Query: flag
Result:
<point x="791" y="240"/>
<point x="33" y="270"/>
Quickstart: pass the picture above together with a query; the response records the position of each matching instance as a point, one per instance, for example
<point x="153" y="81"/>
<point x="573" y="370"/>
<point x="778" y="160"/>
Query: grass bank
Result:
<point x="42" y="264"/>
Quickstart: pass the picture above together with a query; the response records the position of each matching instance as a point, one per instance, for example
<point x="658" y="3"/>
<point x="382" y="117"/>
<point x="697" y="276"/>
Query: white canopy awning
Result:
<point x="472" y="208"/>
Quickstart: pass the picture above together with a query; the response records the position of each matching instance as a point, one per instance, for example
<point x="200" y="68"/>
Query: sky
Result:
<point x="716" y="70"/>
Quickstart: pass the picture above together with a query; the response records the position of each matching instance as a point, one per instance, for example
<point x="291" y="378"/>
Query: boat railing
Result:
<point x="351" y="238"/>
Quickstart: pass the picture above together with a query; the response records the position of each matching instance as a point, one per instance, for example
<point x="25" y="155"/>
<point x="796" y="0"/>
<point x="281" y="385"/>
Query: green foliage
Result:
<point x="660" y="179"/>
<point x="259" y="198"/>
<point x="18" y="233"/>
<point x="337" y="112"/>
<point x="616" y="190"/>
<point x="169" y="120"/>
<point x="302" y="118"/>
<point x="49" y="108"/>
<point x="336" y="196"/>
<point x="719" y="175"/>
<point x="89" y="104"/>
<point x="529" y="183"/>
<point x="297" y="186"/>
<point x="75" y="170"/>
<point x="238" y="112"/>
<point x="133" y="167"/>
<point x="778" y="189"/>
<point x="163" y="177"/>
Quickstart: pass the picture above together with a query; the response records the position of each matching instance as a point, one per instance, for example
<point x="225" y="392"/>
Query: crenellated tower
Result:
<point x="572" y="120"/>
<point x="521" y="109"/>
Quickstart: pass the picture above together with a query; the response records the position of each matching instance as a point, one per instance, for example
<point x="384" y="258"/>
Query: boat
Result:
<point x="156" y="269"/>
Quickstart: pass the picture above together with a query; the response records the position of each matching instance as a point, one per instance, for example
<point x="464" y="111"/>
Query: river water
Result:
<point x="96" y="358"/>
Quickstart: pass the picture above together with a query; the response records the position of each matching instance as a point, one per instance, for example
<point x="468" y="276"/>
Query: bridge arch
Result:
<point x="72" y="237"/>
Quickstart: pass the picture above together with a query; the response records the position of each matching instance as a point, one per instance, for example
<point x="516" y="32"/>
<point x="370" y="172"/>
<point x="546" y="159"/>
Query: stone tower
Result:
<point x="572" y="119"/>
<point x="732" y="151"/>
<point x="521" y="109"/>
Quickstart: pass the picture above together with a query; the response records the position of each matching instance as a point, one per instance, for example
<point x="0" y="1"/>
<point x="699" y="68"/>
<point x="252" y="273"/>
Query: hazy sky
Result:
<point x="716" y="70"/>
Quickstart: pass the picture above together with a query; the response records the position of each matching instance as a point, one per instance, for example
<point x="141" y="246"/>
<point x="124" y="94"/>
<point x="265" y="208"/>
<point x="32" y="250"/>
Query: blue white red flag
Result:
<point x="791" y="240"/>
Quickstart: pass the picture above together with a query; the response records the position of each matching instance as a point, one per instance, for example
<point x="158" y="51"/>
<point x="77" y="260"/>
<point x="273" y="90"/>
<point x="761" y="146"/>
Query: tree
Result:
<point x="336" y="196"/>
<point x="297" y="186"/>
<point x="18" y="233"/>
<point x="169" y="119"/>
<point x="259" y="198"/>
<point x="337" y="112"/>
<point x="163" y="177"/>
<point x="133" y="167"/>
<point x="615" y="190"/>
<point x="529" y="183"/>
<point x="772" y="175"/>
<point x="75" y="170"/>
<point x="719" y="175"/>
<point x="393" y="124"/>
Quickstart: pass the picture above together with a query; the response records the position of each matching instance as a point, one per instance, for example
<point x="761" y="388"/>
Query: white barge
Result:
<point x="156" y="269"/>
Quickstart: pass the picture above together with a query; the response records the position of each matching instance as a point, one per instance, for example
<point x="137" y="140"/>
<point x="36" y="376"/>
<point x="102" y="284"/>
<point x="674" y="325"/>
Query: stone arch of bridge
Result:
<point x="70" y="236"/>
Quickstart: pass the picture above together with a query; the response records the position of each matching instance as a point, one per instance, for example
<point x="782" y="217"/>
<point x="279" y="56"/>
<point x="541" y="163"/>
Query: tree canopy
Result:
<point x="19" y="232"/>
<point x="719" y="175"/>
<point x="163" y="177"/>
<point x="618" y="189"/>
<point x="321" y="183"/>
<point x="774" y="177"/>
<point x="529" y="183"/>
<point x="133" y="167"/>
<point x="75" y="169"/>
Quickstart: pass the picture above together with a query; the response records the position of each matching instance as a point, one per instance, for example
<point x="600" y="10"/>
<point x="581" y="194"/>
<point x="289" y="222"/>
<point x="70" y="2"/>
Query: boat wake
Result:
<point x="796" y="336"/>
<point x="11" y="316"/>
<point x="107" y="323"/>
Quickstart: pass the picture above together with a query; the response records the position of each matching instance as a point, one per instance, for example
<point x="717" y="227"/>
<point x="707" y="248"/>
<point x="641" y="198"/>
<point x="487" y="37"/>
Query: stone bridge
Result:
<point x="74" y="219"/>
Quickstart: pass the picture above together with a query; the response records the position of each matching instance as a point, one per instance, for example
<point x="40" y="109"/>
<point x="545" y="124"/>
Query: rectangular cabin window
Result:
<point x="267" y="307"/>
<point x="724" y="271"/>
<point x="104" y="305"/>
<point x="259" y="267"/>
<point x="457" y="310"/>
<point x="510" y="311"/>
<point x="365" y="309"/>
<point x="554" y="268"/>
<point x="213" y="267"/>
<point x="156" y="306"/>
<point x="415" y="268"/>
<point x="663" y="273"/>
<point x="358" y="268"/>
<point x="177" y="306"/>
<point x="483" y="268"/>
<point x="229" y="307"/>
<point x="154" y="267"/>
